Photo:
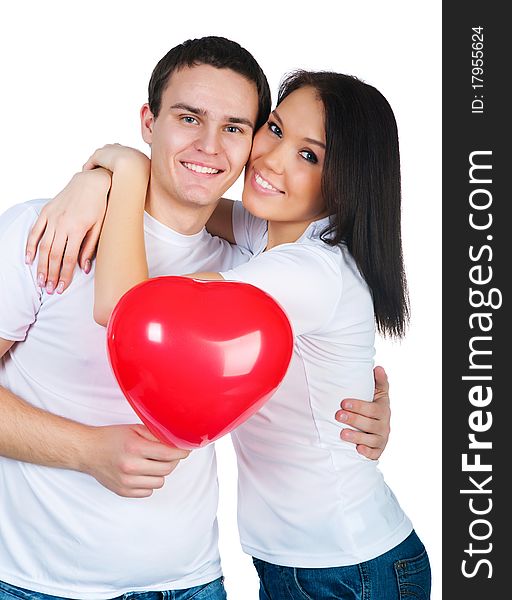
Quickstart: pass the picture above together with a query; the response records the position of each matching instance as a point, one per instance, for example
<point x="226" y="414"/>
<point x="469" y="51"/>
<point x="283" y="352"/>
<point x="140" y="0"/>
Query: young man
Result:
<point x="78" y="516"/>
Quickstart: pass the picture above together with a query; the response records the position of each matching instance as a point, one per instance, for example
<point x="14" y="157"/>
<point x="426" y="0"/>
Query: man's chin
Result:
<point x="201" y="200"/>
<point x="202" y="196"/>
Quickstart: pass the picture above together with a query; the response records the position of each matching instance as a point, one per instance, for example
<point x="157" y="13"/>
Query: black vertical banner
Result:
<point x="477" y="333"/>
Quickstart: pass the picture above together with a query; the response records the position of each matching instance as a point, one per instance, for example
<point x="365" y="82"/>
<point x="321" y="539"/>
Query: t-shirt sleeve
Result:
<point x="249" y="231"/>
<point x="304" y="280"/>
<point x="20" y="297"/>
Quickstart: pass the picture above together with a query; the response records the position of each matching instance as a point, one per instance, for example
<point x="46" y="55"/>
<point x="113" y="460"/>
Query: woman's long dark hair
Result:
<point x="361" y="186"/>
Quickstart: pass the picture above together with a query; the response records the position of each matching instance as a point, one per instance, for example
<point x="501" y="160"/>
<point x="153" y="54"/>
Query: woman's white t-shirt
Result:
<point x="307" y="498"/>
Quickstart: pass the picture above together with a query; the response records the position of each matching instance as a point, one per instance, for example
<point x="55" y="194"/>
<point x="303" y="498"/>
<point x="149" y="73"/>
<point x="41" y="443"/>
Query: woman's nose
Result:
<point x="274" y="159"/>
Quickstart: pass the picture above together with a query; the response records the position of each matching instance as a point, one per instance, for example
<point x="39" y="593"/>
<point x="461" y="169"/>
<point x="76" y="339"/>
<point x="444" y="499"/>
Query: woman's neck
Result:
<point x="287" y="232"/>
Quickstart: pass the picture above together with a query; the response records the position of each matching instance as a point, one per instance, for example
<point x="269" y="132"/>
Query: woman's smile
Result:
<point x="263" y="185"/>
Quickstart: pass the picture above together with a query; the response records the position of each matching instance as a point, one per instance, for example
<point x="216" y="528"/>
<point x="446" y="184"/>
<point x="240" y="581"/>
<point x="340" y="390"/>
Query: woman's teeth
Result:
<point x="264" y="184"/>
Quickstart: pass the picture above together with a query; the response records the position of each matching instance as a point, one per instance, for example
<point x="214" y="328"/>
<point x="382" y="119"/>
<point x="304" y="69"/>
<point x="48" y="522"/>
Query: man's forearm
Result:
<point x="126" y="459"/>
<point x="30" y="434"/>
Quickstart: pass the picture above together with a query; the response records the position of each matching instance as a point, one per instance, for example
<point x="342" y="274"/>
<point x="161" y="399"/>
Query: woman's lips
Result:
<point x="263" y="185"/>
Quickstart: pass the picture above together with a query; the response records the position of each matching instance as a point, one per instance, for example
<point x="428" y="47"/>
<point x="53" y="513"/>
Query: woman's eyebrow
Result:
<point x="306" y="139"/>
<point x="316" y="142"/>
<point x="278" y="118"/>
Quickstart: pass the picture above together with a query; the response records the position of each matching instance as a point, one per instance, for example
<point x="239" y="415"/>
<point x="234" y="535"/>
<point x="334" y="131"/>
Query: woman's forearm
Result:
<point x="121" y="260"/>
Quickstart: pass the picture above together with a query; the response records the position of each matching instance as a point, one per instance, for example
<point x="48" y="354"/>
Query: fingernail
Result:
<point x="348" y="405"/>
<point x="347" y="434"/>
<point x="87" y="267"/>
<point x="50" y="287"/>
<point x="40" y="280"/>
<point x="60" y="287"/>
<point x="28" y="258"/>
<point x="343" y="417"/>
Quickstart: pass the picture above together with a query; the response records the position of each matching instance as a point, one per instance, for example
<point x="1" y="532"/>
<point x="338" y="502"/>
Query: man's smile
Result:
<point x="201" y="169"/>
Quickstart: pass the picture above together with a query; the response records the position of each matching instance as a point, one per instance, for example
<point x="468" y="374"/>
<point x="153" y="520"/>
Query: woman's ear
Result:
<point x="147" y="120"/>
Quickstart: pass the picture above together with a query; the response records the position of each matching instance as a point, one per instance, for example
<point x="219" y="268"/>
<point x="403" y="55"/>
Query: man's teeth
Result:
<point x="199" y="169"/>
<point x="264" y="184"/>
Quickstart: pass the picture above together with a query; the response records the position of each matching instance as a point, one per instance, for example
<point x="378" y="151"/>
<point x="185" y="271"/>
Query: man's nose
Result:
<point x="208" y="140"/>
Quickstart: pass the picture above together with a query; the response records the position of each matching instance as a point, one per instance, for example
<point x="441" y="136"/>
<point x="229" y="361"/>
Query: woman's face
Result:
<point x="284" y="172"/>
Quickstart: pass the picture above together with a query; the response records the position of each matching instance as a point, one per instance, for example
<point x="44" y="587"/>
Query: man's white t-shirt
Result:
<point x="307" y="498"/>
<point x="61" y="532"/>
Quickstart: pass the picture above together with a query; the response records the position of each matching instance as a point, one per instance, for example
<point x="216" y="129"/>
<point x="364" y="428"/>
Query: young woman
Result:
<point x="321" y="217"/>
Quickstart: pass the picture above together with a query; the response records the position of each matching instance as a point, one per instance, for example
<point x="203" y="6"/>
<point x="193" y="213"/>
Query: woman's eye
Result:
<point x="274" y="129"/>
<point x="309" y="156"/>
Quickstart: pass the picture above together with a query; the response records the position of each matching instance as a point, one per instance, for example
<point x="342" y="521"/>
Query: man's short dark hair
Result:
<point x="218" y="52"/>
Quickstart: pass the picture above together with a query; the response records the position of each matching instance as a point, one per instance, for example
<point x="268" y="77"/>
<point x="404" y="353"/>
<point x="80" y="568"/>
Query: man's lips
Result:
<point x="201" y="168"/>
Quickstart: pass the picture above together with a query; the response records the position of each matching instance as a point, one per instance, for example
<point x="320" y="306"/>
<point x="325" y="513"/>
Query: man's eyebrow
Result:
<point x="188" y="108"/>
<point x="202" y="112"/>
<point x="310" y="140"/>
<point x="241" y="121"/>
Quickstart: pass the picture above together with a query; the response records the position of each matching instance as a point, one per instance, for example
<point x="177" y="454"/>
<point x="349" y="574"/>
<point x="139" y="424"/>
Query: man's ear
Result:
<point x="147" y="121"/>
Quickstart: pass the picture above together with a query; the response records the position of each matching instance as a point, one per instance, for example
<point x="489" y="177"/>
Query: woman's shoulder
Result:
<point x="314" y="241"/>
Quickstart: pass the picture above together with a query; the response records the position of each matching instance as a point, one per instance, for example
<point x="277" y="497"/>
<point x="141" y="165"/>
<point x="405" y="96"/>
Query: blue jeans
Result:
<point x="403" y="573"/>
<point x="208" y="591"/>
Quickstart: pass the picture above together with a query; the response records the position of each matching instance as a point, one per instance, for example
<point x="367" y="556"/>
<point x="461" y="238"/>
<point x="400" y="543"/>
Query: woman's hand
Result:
<point x="68" y="228"/>
<point x="116" y="156"/>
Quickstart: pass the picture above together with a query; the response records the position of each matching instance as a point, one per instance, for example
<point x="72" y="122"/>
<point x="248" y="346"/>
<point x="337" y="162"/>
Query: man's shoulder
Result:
<point x="22" y="215"/>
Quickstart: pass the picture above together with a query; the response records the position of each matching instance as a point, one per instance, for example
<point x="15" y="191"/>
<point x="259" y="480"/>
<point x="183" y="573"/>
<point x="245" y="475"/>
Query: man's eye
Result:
<point x="309" y="156"/>
<point x="191" y="120"/>
<point x="233" y="129"/>
<point x="274" y="129"/>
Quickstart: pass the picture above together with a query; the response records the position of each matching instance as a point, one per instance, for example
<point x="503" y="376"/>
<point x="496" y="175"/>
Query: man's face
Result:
<point x="202" y="137"/>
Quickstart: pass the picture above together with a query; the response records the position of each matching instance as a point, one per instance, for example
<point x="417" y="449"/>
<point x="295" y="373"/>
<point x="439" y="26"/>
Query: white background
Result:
<point x="73" y="76"/>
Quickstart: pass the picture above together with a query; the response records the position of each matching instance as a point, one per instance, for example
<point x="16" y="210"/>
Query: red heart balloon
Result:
<point x="197" y="358"/>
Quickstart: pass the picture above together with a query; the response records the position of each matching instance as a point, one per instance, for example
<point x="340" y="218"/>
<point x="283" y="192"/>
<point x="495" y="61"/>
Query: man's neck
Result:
<point x="183" y="218"/>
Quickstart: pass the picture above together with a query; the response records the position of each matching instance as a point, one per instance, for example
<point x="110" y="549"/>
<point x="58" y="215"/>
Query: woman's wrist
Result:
<point x="132" y="162"/>
<point x="131" y="174"/>
<point x="115" y="157"/>
<point x="97" y="180"/>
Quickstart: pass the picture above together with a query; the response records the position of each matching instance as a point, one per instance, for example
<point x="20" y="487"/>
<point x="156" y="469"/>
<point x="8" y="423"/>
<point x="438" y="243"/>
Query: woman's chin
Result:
<point x="255" y="206"/>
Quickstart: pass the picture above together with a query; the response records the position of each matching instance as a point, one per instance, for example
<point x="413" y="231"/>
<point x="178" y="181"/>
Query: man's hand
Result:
<point x="370" y="419"/>
<point x="129" y="460"/>
<point x="68" y="228"/>
<point x="126" y="459"/>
